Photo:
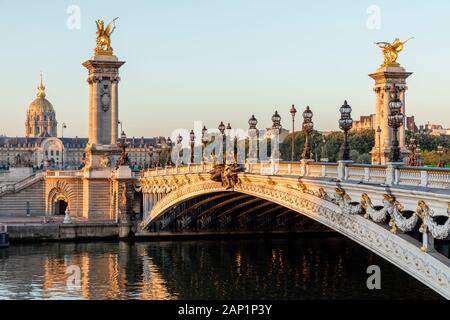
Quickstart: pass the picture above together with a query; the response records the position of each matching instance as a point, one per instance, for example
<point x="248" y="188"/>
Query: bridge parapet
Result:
<point x="372" y="174"/>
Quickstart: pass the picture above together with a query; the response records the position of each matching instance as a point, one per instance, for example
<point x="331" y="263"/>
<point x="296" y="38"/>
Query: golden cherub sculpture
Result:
<point x="391" y="51"/>
<point x="104" y="37"/>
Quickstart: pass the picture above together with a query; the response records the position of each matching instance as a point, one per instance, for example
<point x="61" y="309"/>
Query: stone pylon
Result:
<point x="102" y="151"/>
<point x="384" y="77"/>
<point x="103" y="82"/>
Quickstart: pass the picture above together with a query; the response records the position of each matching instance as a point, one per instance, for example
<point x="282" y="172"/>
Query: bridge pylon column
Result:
<point x="384" y="78"/>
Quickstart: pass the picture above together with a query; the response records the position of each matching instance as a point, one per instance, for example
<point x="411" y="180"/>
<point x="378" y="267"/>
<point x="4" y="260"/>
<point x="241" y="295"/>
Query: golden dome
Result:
<point x="41" y="105"/>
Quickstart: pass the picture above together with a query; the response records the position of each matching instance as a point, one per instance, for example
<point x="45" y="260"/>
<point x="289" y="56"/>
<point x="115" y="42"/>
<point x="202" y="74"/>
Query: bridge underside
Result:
<point x="232" y="212"/>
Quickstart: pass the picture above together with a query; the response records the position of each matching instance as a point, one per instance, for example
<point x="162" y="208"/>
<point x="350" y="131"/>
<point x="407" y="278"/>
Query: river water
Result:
<point x="301" y="268"/>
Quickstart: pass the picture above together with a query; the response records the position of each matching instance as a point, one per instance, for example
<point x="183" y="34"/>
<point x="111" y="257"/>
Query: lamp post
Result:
<point x="276" y="128"/>
<point x="227" y="139"/>
<point x="414" y="152"/>
<point x="192" y="140"/>
<point x="222" y="133"/>
<point x="440" y="152"/>
<point x="293" y="111"/>
<point x="346" y="123"/>
<point x="205" y="141"/>
<point x="64" y="126"/>
<point x="179" y="146"/>
<point x="308" y="127"/>
<point x="379" y="144"/>
<point x="253" y="133"/>
<point x="395" y="121"/>
<point x="169" y="145"/>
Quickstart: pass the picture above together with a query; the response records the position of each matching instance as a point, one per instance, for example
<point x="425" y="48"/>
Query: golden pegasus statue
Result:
<point x="104" y="37"/>
<point x="391" y="51"/>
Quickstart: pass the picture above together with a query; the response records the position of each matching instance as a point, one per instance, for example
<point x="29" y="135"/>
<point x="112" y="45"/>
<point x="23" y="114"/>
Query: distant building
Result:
<point x="434" y="130"/>
<point x="41" y="143"/>
<point x="368" y="123"/>
<point x="411" y="124"/>
<point x="364" y="123"/>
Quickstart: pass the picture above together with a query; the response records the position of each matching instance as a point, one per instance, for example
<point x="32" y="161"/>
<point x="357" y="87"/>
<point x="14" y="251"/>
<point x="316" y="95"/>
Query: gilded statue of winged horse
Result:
<point x="391" y="51"/>
<point x="104" y="37"/>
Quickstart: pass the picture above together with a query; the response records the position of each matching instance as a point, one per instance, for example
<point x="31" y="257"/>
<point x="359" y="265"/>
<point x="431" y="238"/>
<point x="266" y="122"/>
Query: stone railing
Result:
<point x="392" y="174"/>
<point x="16" y="187"/>
<point x="63" y="174"/>
<point x="186" y="169"/>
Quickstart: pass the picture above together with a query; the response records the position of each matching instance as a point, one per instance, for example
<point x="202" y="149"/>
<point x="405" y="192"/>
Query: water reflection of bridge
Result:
<point x="306" y="268"/>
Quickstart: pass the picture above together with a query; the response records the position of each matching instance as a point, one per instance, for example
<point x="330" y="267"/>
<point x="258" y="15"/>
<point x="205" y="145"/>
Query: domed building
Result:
<point x="41" y="148"/>
<point x="41" y="118"/>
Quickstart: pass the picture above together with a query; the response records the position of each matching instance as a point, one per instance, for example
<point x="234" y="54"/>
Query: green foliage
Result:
<point x="428" y="142"/>
<point x="361" y="143"/>
<point x="364" y="158"/>
<point x="431" y="158"/>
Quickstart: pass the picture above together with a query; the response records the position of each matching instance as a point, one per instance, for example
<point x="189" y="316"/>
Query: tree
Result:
<point x="361" y="143"/>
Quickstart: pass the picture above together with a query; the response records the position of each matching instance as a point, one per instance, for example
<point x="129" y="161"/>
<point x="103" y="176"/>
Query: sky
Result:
<point x="222" y="60"/>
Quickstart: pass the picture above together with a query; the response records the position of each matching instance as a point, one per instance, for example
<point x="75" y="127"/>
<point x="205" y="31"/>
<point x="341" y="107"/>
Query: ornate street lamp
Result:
<point x="205" y="141"/>
<point x="222" y="133"/>
<point x="346" y="123"/>
<point x="169" y="145"/>
<point x="192" y="140"/>
<point x="414" y="153"/>
<point x="253" y="133"/>
<point x="379" y="144"/>
<point x="440" y="152"/>
<point x="179" y="146"/>
<point x="276" y="128"/>
<point x="293" y="111"/>
<point x="252" y="123"/>
<point x="221" y="127"/>
<point x="395" y="121"/>
<point x="227" y="152"/>
<point x="308" y="127"/>
<point x="276" y="121"/>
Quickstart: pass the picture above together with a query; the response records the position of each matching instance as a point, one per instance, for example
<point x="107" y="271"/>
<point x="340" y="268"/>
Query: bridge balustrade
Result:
<point x="62" y="173"/>
<point x="374" y="174"/>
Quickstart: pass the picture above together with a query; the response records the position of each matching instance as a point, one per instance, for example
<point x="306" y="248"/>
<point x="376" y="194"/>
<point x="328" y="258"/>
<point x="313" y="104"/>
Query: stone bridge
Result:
<point x="400" y="213"/>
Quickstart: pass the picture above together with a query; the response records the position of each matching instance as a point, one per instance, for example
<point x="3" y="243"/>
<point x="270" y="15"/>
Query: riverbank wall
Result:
<point x="63" y="232"/>
<point x="112" y="231"/>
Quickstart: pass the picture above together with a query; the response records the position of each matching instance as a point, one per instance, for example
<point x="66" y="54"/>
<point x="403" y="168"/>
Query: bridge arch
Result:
<point x="398" y="249"/>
